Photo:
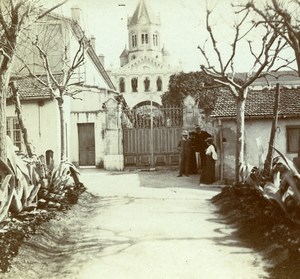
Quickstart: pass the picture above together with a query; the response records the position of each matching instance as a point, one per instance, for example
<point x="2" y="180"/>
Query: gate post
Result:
<point x="189" y="113"/>
<point x="113" y="157"/>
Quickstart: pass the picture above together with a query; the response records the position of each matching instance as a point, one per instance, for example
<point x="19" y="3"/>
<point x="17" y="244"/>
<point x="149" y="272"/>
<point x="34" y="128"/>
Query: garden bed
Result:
<point x="263" y="225"/>
<point x="16" y="228"/>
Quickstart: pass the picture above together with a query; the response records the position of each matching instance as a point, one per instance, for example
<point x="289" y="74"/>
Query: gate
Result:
<point x="151" y="136"/>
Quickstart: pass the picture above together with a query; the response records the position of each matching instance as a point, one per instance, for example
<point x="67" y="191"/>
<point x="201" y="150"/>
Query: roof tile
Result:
<point x="259" y="103"/>
<point x="31" y="88"/>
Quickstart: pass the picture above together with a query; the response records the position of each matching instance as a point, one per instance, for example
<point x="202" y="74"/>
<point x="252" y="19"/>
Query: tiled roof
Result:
<point x="260" y="103"/>
<point x="30" y="88"/>
<point x="284" y="78"/>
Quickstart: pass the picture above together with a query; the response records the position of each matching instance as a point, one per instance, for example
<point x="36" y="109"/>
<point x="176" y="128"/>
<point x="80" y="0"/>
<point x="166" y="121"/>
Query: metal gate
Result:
<point x="151" y="136"/>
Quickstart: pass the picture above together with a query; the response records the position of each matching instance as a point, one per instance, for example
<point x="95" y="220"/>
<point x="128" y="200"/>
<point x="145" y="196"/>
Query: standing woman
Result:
<point x="208" y="176"/>
<point x="184" y="147"/>
<point x="193" y="162"/>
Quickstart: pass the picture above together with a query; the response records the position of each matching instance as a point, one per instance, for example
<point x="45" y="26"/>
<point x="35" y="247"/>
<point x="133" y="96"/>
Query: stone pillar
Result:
<point x="190" y="113"/>
<point x="113" y="158"/>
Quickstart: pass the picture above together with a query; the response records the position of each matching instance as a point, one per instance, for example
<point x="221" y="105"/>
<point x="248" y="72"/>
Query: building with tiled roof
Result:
<point x="259" y="113"/>
<point x="29" y="88"/>
<point x="259" y="103"/>
<point x="89" y="88"/>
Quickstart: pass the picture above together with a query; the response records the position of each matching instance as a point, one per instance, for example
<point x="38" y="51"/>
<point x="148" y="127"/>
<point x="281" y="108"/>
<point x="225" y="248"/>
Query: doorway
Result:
<point x="86" y="141"/>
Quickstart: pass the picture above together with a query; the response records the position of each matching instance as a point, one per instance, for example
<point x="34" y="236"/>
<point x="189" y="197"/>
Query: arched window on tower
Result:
<point x="155" y="40"/>
<point x="144" y="38"/>
<point x="122" y="85"/>
<point x="133" y="40"/>
<point x="134" y="84"/>
<point x="147" y="84"/>
<point x="159" y="84"/>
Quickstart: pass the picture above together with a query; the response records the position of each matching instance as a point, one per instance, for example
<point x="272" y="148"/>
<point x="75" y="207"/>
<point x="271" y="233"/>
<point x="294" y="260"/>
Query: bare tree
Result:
<point x="264" y="58"/>
<point x="283" y="18"/>
<point x="55" y="51"/>
<point x="52" y="58"/>
<point x="14" y="16"/>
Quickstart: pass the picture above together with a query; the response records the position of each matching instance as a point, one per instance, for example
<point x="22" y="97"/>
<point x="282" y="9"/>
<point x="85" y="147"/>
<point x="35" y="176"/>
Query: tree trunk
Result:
<point x="20" y="118"/>
<point x="269" y="158"/>
<point x="62" y="128"/>
<point x="299" y="144"/>
<point x="3" y="90"/>
<point x="240" y="135"/>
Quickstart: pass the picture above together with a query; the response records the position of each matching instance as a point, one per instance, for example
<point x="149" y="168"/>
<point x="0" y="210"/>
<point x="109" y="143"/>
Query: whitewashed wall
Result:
<point x="89" y="110"/>
<point x="258" y="128"/>
<point x="42" y="123"/>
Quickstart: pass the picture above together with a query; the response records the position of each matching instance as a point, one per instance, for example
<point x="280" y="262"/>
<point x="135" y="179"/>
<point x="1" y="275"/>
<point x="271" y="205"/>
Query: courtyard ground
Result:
<point x="139" y="224"/>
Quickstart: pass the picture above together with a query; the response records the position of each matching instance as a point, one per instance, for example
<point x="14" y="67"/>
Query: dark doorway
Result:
<point x="86" y="141"/>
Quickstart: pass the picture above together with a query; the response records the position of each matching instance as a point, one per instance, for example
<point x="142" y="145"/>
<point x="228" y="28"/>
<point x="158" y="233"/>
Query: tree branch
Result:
<point x="51" y="9"/>
<point x="46" y="84"/>
<point x="264" y="63"/>
<point x="43" y="55"/>
<point x="202" y="49"/>
<point x="213" y="40"/>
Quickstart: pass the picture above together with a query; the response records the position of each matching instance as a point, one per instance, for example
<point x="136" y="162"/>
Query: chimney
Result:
<point x="93" y="42"/>
<point x="101" y="58"/>
<point x="75" y="12"/>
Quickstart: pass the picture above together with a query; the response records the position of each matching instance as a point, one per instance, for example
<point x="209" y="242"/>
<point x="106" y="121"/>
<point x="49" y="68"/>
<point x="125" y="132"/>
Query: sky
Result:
<point x="182" y="28"/>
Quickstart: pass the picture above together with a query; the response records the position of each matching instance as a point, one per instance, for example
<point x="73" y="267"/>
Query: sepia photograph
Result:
<point x="148" y="139"/>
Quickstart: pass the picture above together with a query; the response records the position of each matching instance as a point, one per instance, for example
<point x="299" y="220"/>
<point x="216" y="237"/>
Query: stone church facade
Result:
<point x="145" y="67"/>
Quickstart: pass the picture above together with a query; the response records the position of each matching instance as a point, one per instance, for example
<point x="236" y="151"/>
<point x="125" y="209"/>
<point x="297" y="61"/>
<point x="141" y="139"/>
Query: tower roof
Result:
<point x="124" y="52"/>
<point x="143" y="10"/>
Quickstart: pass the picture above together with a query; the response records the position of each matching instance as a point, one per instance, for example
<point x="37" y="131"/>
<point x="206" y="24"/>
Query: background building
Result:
<point x="144" y="65"/>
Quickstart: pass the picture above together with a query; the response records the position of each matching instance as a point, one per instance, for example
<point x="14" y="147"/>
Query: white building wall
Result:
<point x="67" y="116"/>
<point x="97" y="118"/>
<point x="42" y="123"/>
<point x="253" y="129"/>
<point x="89" y="110"/>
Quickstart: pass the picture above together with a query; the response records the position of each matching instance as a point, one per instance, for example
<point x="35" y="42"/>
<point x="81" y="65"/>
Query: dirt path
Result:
<point x="138" y="225"/>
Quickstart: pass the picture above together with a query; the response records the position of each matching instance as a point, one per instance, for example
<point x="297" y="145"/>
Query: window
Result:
<point x="159" y="84"/>
<point x="133" y="40"/>
<point x="147" y="84"/>
<point x="155" y="41"/>
<point x="144" y="38"/>
<point x="13" y="131"/>
<point x="134" y="84"/>
<point x="292" y="138"/>
<point x="122" y="85"/>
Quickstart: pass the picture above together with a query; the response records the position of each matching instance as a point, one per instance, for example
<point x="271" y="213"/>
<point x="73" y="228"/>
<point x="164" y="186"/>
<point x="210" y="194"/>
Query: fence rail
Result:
<point x="161" y="117"/>
<point x="151" y="134"/>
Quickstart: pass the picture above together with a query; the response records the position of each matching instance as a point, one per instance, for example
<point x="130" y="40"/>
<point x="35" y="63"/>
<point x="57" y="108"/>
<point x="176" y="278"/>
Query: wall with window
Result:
<point x="286" y="140"/>
<point x="14" y="132"/>
<point x="292" y="138"/>
<point x="42" y="123"/>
